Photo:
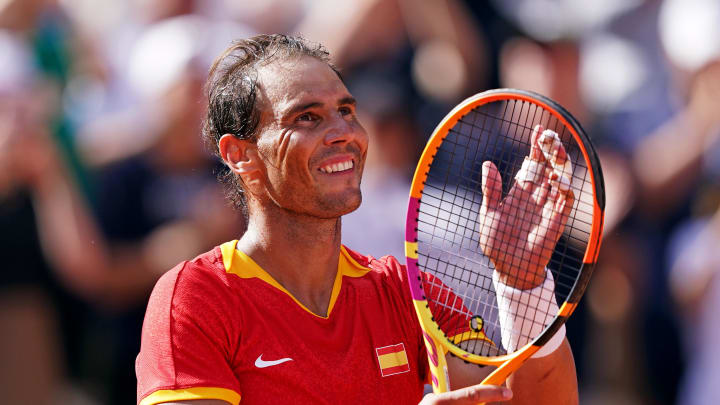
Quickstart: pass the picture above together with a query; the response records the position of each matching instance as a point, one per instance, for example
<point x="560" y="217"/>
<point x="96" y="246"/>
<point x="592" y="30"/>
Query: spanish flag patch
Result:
<point x="392" y="359"/>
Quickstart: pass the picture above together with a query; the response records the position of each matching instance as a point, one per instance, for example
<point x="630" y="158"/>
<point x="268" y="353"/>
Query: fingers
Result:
<point x="557" y="212"/>
<point x="533" y="167"/>
<point x="491" y="185"/>
<point x="531" y="172"/>
<point x="547" y="170"/>
<point x="556" y="186"/>
<point x="469" y="395"/>
<point x="563" y="205"/>
<point x="554" y="152"/>
<point x="535" y="151"/>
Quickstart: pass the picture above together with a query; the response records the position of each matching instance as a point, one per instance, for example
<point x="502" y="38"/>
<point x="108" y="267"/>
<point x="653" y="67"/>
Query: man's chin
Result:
<point x="353" y="207"/>
<point x="342" y="206"/>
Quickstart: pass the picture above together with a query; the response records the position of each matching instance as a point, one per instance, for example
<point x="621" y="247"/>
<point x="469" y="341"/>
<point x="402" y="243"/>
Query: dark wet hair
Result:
<point x="232" y="94"/>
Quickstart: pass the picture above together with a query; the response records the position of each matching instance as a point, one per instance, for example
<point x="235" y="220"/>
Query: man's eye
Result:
<point x="345" y="111"/>
<point x="307" y="117"/>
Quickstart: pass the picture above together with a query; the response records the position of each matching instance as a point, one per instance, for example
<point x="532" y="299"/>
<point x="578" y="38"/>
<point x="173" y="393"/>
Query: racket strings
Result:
<point x="466" y="217"/>
<point x="511" y="164"/>
<point x="458" y="233"/>
<point x="449" y="225"/>
<point x="510" y="161"/>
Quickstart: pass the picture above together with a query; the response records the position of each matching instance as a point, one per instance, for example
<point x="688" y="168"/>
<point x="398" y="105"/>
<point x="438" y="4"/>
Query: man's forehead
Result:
<point x="289" y="82"/>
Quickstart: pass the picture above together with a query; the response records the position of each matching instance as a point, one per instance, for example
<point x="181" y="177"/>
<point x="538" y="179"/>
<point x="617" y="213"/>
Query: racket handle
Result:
<point x="438" y="365"/>
<point x="502" y="373"/>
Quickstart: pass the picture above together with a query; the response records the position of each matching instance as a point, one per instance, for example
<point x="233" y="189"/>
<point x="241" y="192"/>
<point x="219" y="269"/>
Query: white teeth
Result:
<point x="337" y="167"/>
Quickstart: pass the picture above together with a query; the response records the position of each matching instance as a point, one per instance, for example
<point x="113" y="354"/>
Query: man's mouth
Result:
<point x="338" y="166"/>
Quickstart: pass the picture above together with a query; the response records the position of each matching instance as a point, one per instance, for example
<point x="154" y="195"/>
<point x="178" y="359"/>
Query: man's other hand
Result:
<point x="473" y="395"/>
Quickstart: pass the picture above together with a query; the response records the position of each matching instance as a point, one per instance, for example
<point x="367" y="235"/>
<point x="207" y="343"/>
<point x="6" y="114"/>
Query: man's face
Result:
<point x="309" y="139"/>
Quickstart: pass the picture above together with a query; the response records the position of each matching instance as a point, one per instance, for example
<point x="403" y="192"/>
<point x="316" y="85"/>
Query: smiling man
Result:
<point x="286" y="314"/>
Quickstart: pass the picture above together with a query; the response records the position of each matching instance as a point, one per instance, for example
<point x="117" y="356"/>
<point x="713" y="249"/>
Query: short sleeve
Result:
<point x="188" y="340"/>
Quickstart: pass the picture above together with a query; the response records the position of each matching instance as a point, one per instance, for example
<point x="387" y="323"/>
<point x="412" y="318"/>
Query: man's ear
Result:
<point x="242" y="157"/>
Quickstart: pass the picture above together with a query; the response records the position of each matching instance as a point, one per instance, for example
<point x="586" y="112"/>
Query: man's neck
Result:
<point x="299" y="252"/>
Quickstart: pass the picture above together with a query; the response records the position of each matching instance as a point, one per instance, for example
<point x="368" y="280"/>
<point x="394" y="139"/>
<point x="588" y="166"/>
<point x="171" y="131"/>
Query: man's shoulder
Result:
<point x="205" y="264"/>
<point x="387" y="266"/>
<point x="204" y="272"/>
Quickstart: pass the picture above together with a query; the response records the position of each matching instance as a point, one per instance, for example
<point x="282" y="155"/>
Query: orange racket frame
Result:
<point x="435" y="338"/>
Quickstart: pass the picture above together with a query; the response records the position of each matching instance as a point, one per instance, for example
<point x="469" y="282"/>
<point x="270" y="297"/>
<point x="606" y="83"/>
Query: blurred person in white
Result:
<point x="692" y="130"/>
<point x="695" y="284"/>
<point x="675" y="167"/>
<point x="694" y="254"/>
<point x="667" y="125"/>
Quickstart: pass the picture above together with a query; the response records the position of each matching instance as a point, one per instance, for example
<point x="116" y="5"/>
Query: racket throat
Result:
<point x="502" y="373"/>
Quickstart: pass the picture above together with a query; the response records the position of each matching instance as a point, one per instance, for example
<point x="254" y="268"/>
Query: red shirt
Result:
<point x="220" y="327"/>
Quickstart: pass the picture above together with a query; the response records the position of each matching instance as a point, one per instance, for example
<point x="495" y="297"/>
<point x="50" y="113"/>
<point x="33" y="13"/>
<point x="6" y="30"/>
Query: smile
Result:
<point x="338" y="167"/>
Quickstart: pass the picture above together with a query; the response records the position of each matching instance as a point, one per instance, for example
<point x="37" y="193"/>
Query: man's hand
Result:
<point x="469" y="395"/>
<point x="519" y="233"/>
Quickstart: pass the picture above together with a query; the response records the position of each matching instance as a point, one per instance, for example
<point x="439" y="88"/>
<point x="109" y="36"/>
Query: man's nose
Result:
<point x="340" y="131"/>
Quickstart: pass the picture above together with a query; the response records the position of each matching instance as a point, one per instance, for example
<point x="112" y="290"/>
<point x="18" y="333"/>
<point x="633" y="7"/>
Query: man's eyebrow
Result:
<point x="343" y="101"/>
<point x="303" y="107"/>
<point x="348" y="100"/>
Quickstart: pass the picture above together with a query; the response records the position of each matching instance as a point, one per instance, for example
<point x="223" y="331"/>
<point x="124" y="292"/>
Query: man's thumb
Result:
<point x="491" y="185"/>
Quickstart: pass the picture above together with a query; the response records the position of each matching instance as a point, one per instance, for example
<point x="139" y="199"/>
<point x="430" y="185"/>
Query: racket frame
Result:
<point x="435" y="338"/>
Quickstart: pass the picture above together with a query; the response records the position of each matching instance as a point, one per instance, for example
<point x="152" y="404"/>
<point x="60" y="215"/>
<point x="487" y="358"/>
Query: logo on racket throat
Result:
<point x="477" y="324"/>
<point x="392" y="359"/>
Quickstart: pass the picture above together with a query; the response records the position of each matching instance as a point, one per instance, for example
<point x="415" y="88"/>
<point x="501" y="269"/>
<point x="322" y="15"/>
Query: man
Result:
<point x="287" y="314"/>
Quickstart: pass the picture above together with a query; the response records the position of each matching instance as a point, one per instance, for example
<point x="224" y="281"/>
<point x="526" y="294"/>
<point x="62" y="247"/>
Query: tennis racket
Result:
<point x="453" y="263"/>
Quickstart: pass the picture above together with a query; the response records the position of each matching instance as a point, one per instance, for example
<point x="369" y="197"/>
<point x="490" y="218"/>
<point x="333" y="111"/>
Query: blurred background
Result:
<point x="105" y="184"/>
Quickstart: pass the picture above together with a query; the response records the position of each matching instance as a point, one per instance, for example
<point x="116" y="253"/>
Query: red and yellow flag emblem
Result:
<point x="392" y="359"/>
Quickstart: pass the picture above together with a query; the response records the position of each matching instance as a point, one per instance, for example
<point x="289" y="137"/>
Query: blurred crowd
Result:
<point x="105" y="184"/>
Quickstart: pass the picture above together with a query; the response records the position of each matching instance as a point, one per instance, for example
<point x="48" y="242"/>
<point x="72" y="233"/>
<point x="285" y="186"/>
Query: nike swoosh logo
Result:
<point x="260" y="363"/>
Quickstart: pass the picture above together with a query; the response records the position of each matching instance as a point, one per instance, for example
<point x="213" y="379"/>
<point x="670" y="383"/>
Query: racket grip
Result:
<point x="502" y="373"/>
<point x="438" y="366"/>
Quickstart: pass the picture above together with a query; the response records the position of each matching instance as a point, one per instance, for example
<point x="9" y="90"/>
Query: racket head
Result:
<point x="441" y="237"/>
